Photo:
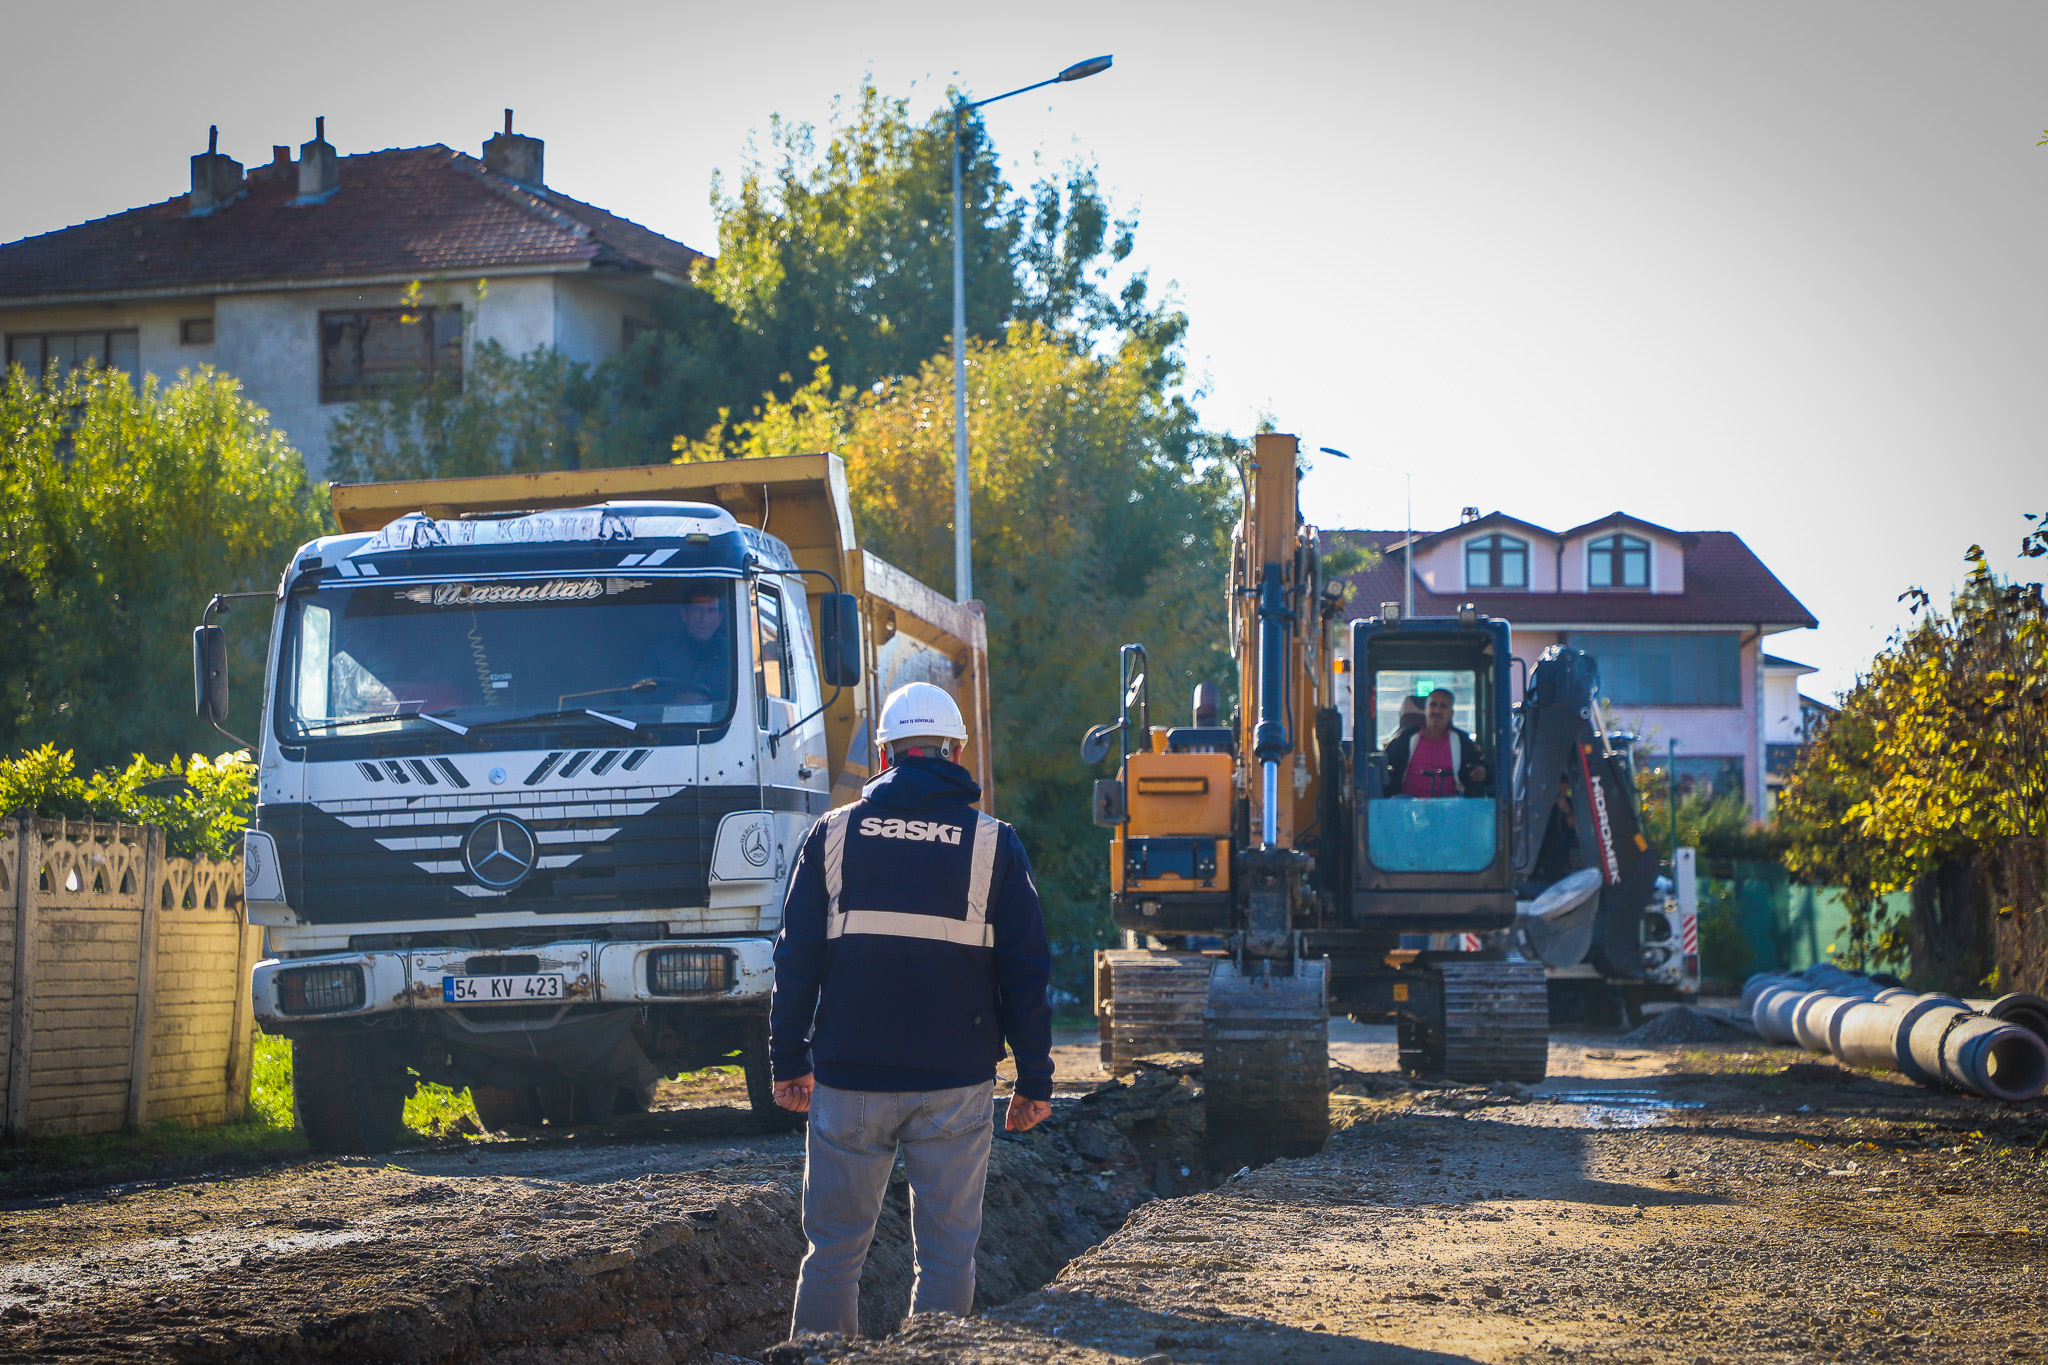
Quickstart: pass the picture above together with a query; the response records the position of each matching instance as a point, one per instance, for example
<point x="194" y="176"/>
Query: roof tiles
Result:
<point x="406" y="211"/>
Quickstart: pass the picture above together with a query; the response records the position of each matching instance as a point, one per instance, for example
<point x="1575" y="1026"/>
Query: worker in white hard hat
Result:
<point x="912" y="950"/>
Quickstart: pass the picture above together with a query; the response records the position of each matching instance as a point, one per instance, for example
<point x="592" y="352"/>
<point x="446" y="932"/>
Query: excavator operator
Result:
<point x="1437" y="760"/>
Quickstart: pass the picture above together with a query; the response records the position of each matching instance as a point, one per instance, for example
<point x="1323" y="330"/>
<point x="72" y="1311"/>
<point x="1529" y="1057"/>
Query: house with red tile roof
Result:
<point x="290" y="276"/>
<point x="1676" y="619"/>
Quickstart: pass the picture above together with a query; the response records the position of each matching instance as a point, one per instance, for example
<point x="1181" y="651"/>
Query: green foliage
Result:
<point x="850" y="248"/>
<point x="510" y="414"/>
<point x="1719" y="828"/>
<point x="1725" y="951"/>
<point x="1939" y="758"/>
<point x="432" y="1111"/>
<point x="202" y="804"/>
<point x="270" y="1082"/>
<point x="123" y="508"/>
<point x="1100" y="516"/>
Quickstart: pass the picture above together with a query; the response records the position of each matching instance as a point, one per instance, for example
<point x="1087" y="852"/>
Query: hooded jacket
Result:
<point x="909" y="966"/>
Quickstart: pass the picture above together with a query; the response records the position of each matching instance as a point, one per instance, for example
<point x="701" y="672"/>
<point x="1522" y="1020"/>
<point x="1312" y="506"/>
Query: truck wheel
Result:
<point x="499" y="1109"/>
<point x="769" y="1116"/>
<point x="350" y="1094"/>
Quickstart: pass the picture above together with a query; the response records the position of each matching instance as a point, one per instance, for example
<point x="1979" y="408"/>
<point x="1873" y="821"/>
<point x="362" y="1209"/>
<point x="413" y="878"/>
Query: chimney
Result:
<point x="514" y="154"/>
<point x="216" y="179"/>
<point x="1466" y="514"/>
<point x="319" y="169"/>
<point x="280" y="154"/>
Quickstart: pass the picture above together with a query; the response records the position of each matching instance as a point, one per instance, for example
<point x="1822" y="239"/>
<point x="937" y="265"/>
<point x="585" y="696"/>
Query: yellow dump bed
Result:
<point x="910" y="633"/>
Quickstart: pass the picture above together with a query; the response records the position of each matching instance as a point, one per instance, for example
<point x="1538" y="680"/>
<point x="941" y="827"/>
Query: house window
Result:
<point x="37" y="351"/>
<point x="1665" y="668"/>
<point x="1618" y="562"/>
<point x="195" y="332"/>
<point x="1496" y="561"/>
<point x="369" y="351"/>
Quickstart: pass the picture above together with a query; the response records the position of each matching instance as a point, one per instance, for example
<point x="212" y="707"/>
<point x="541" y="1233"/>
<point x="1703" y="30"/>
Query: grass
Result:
<point x="432" y="1111"/>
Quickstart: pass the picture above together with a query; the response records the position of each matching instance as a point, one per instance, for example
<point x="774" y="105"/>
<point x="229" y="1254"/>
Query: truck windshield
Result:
<point x="370" y="659"/>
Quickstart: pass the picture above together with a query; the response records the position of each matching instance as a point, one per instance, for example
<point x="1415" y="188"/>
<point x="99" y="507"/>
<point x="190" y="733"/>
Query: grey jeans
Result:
<point x="848" y="1155"/>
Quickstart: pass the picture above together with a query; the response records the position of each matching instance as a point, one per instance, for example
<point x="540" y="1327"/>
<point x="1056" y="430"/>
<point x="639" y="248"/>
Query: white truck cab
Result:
<point x="531" y="786"/>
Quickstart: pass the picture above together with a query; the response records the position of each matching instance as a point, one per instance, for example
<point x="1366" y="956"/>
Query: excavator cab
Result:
<point x="1432" y="849"/>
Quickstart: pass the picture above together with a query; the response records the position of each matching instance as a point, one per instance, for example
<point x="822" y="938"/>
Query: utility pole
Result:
<point x="963" y="531"/>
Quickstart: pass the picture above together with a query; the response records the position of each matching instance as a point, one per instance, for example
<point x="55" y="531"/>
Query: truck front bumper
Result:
<point x="361" y="985"/>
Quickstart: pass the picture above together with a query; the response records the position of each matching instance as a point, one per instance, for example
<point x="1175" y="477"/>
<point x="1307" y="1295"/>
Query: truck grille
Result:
<point x="601" y="849"/>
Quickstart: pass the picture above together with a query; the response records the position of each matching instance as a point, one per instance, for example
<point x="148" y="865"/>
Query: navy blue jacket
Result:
<point x="903" y="988"/>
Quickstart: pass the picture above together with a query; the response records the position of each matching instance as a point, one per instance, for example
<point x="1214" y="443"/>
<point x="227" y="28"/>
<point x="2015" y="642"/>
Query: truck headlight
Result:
<point x="319" y="990"/>
<point x="688" y="971"/>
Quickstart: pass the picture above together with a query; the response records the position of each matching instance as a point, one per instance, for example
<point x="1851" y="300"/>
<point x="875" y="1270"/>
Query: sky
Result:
<point x="1773" y="268"/>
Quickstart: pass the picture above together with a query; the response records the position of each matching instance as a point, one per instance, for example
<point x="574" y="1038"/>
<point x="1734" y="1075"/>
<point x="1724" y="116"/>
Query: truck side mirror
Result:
<point x="839" y="639"/>
<point x="210" y="674"/>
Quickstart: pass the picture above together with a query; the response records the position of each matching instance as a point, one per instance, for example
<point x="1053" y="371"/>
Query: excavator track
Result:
<point x="1266" y="1063"/>
<point x="1496" y="1021"/>
<point x="1149" y="1001"/>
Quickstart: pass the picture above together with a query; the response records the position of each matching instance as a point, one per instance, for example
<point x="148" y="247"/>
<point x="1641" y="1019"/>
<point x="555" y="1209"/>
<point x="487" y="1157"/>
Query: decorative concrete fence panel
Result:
<point x="124" y="980"/>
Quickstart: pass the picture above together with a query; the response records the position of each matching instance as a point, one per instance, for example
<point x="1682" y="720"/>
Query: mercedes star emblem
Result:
<point x="499" y="851"/>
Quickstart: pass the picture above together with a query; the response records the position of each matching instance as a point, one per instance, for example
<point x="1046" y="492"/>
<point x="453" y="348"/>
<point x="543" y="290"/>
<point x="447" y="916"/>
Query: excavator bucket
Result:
<point x="1265" y="1063"/>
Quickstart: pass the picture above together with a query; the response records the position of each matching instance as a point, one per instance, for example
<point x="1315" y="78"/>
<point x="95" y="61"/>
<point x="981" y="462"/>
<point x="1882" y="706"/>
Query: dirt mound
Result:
<point x="1685" y="1024"/>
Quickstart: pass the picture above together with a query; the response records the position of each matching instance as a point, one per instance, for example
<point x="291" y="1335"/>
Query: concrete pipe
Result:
<point x="2024" y="1008"/>
<point x="1813" y="1018"/>
<point x="1974" y="1052"/>
<point x="1876" y="1033"/>
<point x="1772" y="1012"/>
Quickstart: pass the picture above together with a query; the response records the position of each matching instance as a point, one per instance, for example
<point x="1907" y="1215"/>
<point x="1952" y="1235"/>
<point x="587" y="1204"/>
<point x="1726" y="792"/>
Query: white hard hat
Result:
<point x="918" y="709"/>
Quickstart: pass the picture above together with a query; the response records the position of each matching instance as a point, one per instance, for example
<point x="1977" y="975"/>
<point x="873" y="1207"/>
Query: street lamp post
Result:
<point x="963" y="531"/>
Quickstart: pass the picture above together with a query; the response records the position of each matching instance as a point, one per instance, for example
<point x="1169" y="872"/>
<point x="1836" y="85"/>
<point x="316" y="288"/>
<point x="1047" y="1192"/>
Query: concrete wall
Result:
<point x="127" y="981"/>
<point x="590" y="320"/>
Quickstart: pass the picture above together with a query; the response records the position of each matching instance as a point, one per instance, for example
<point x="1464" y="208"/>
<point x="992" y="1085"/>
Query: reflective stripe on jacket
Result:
<point x="912" y="947"/>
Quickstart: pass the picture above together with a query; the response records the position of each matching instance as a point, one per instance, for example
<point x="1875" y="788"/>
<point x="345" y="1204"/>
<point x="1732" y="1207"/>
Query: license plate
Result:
<point x="502" y="990"/>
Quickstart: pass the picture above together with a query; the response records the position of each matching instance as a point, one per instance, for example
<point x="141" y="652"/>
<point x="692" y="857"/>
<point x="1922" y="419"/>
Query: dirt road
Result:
<point x="1642" y="1205"/>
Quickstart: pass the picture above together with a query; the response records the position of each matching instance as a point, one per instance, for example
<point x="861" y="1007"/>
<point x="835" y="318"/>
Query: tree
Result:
<point x="125" y="507"/>
<point x="850" y="248"/>
<point x="1101" y="515"/>
<point x="1934" y="777"/>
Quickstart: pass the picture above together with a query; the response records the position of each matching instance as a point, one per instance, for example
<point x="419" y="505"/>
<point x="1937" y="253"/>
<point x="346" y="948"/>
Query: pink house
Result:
<point x="1676" y="619"/>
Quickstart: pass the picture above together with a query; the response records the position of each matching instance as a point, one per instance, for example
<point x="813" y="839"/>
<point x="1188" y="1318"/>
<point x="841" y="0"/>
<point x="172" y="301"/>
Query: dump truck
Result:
<point x="1267" y="870"/>
<point x="537" y="754"/>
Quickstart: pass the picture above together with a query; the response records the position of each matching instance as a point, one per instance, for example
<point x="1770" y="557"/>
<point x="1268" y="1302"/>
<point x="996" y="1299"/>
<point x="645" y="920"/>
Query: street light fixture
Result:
<point x="963" y="561"/>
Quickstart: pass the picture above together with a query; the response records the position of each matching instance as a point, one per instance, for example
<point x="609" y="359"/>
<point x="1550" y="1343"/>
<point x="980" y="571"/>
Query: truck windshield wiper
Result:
<point x="386" y="716"/>
<point x="619" y="721"/>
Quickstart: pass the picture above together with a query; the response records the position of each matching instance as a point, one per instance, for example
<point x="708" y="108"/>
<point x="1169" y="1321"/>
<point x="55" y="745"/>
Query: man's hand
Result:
<point x="1026" y="1114"/>
<point x="795" y="1095"/>
<point x="1478" y="772"/>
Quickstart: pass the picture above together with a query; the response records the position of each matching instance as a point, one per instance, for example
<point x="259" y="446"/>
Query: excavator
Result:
<point x="1265" y="873"/>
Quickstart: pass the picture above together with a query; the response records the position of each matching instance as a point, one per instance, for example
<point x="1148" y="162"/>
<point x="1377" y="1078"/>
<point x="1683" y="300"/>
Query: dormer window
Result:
<point x="1618" y="562"/>
<point x="1496" y="561"/>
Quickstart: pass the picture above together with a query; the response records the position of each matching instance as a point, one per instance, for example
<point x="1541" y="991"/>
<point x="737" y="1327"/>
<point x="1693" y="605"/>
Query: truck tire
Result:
<point x="499" y="1109"/>
<point x="769" y="1116"/>
<point x="350" y="1093"/>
